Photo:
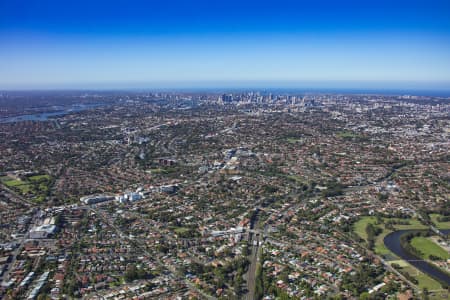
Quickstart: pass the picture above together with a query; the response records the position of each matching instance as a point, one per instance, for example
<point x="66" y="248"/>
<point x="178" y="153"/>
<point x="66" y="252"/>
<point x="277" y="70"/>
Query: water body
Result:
<point x="392" y="242"/>
<point x="444" y="92"/>
<point x="44" y="116"/>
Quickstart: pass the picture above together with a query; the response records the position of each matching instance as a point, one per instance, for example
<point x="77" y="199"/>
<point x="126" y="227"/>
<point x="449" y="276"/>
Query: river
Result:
<point x="392" y="242"/>
<point x="44" y="116"/>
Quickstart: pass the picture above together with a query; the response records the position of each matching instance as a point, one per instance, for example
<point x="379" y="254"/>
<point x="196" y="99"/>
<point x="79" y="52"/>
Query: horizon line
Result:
<point x="413" y="85"/>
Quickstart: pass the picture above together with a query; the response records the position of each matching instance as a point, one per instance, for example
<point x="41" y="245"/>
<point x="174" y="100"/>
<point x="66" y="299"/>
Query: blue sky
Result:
<point x="104" y="44"/>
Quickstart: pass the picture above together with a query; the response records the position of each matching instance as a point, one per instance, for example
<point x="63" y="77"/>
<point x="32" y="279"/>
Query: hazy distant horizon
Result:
<point x="350" y="87"/>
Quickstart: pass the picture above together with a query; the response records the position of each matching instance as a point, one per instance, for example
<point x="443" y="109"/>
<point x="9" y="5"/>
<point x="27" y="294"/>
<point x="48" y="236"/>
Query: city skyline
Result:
<point x="348" y="44"/>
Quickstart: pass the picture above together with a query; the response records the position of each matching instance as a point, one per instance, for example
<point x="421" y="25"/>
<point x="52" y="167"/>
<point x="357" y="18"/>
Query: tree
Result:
<point x="259" y="288"/>
<point x="364" y="296"/>
<point x="131" y="273"/>
<point x="237" y="285"/>
<point x="372" y="231"/>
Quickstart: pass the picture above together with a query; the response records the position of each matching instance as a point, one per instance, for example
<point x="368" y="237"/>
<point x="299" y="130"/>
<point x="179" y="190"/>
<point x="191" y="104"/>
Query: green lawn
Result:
<point x="24" y="188"/>
<point x="347" y="134"/>
<point x="423" y="279"/>
<point x="428" y="247"/>
<point x="360" y="229"/>
<point x="413" y="224"/>
<point x="440" y="225"/>
<point x="426" y="281"/>
<point x="159" y="171"/>
<point x="402" y="263"/>
<point x="294" y="140"/>
<point x="380" y="248"/>
<point x="13" y="182"/>
<point x="296" y="178"/>
<point x="39" y="178"/>
<point x="37" y="185"/>
<point x="360" y="226"/>
<point x="180" y="229"/>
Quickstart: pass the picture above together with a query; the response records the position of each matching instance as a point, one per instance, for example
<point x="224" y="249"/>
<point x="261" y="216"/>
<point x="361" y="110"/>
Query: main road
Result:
<point x="254" y="242"/>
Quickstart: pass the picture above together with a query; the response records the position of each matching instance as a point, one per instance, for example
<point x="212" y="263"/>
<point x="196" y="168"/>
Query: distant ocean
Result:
<point x="263" y="88"/>
<point x="393" y="92"/>
<point x="445" y="93"/>
<point x="343" y="91"/>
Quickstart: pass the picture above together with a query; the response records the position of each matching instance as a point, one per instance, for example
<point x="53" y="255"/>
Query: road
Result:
<point x="251" y="273"/>
<point x="254" y="243"/>
<point x="17" y="251"/>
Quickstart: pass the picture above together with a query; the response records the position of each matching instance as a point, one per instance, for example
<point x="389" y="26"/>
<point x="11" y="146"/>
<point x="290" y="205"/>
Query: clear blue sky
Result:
<point x="76" y="44"/>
